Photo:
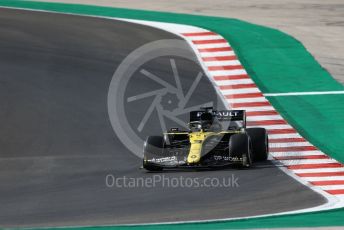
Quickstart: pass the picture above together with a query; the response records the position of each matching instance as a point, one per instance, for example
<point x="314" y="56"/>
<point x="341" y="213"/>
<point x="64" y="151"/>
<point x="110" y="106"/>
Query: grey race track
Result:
<point x="57" y="144"/>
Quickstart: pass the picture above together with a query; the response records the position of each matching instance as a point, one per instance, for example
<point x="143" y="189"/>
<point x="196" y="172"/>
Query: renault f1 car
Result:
<point x="214" y="138"/>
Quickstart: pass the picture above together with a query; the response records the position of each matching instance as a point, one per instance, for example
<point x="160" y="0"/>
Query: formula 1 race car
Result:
<point x="215" y="138"/>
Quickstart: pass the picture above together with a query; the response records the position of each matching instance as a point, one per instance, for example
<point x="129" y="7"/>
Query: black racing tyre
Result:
<point x="260" y="143"/>
<point x="153" y="147"/>
<point x="240" y="147"/>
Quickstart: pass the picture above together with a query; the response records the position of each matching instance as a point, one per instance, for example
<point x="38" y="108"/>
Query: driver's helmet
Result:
<point x="206" y="123"/>
<point x="210" y="123"/>
<point x="207" y="120"/>
<point x="195" y="126"/>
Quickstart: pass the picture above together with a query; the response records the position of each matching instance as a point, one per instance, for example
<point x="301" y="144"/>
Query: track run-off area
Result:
<point x="292" y="153"/>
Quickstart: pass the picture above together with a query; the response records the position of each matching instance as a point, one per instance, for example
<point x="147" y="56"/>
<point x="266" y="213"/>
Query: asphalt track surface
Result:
<point x="57" y="144"/>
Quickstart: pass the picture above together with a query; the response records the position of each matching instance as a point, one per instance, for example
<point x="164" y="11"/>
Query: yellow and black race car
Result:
<point x="214" y="139"/>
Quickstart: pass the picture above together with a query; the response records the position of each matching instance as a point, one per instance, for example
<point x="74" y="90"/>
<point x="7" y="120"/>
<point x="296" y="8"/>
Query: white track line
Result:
<point x="319" y="170"/>
<point x="228" y="72"/>
<point x="290" y="144"/>
<point x="302" y="93"/>
<point x="207" y="46"/>
<point x="272" y="126"/>
<point x="295" y="154"/>
<point x="278" y="136"/>
<point x="222" y="63"/>
<point x="233" y="82"/>
<point x="217" y="54"/>
<point x="242" y="100"/>
<point x="240" y="91"/>
<point x="202" y="38"/>
<point x="301" y="162"/>
<point x="260" y="118"/>
<point x="331" y="187"/>
<point x="330" y="178"/>
<point x="255" y="108"/>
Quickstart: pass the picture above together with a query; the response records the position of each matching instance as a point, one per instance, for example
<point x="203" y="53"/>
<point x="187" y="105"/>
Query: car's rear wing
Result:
<point x="221" y="115"/>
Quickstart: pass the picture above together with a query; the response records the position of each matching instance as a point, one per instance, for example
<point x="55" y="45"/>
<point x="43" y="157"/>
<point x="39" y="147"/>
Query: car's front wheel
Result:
<point x="153" y="147"/>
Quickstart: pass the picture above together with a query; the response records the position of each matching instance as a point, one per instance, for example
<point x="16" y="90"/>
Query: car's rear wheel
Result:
<point x="260" y="143"/>
<point x="153" y="147"/>
<point x="240" y="148"/>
